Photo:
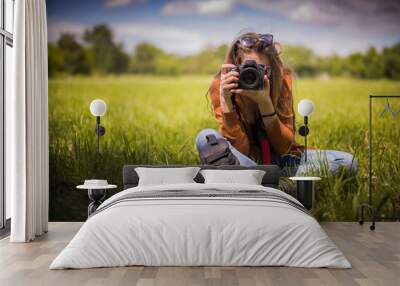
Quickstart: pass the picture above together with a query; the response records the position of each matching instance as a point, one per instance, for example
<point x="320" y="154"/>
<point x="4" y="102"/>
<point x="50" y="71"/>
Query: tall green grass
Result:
<point x="154" y="120"/>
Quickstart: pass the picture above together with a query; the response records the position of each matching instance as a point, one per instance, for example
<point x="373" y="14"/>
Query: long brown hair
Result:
<point x="236" y="51"/>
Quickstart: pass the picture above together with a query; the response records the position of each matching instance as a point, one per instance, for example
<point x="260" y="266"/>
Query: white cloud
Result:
<point x="207" y="7"/>
<point x="173" y="39"/>
<point x="309" y="13"/>
<point x="373" y="14"/>
<point x="121" y="3"/>
<point x="55" y="29"/>
<point x="184" y="40"/>
<point x="326" y="28"/>
<point x="215" y="6"/>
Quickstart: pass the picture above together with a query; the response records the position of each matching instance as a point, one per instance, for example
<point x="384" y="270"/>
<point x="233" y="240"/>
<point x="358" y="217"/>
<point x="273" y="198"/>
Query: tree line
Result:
<point x="97" y="53"/>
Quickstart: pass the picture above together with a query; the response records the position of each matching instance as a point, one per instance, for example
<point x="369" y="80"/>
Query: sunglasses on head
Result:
<point x="266" y="40"/>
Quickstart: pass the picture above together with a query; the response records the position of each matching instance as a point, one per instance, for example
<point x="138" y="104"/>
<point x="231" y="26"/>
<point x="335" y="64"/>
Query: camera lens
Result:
<point x="249" y="78"/>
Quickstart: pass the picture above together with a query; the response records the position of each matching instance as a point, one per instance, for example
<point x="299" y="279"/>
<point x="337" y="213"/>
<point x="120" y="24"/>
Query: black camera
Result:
<point x="251" y="75"/>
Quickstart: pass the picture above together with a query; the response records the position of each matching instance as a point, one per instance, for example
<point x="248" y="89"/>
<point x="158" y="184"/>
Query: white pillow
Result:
<point x="248" y="177"/>
<point x="165" y="176"/>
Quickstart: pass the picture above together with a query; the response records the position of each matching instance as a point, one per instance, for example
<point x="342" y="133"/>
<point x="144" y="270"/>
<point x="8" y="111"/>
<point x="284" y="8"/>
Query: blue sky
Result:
<point x="186" y="27"/>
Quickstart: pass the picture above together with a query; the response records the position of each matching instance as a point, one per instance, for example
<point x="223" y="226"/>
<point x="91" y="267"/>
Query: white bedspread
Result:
<point x="200" y="231"/>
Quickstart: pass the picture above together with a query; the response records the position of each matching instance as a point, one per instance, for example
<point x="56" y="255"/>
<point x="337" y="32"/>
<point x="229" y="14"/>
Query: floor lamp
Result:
<point x="98" y="108"/>
<point x="305" y="108"/>
<point x="305" y="184"/>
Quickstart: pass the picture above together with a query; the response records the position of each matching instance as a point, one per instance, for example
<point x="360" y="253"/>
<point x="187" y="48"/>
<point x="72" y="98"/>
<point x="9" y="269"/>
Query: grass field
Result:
<point x="154" y="120"/>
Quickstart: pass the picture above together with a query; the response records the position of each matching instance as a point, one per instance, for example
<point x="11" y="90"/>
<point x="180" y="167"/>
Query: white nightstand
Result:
<point x="96" y="192"/>
<point x="305" y="190"/>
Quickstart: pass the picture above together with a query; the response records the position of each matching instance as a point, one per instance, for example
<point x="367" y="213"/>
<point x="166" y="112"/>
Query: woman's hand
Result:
<point x="263" y="100"/>
<point x="229" y="82"/>
<point x="261" y="97"/>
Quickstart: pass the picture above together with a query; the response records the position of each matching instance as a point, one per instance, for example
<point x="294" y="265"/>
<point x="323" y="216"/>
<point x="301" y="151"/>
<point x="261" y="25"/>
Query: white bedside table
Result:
<point x="305" y="190"/>
<point x="96" y="192"/>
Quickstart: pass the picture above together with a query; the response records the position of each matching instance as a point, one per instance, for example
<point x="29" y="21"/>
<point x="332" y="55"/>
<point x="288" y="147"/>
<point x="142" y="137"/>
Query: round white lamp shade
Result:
<point x="98" y="107"/>
<point x="305" y="107"/>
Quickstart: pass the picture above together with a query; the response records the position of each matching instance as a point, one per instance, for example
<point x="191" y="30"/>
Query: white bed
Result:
<point x="206" y="230"/>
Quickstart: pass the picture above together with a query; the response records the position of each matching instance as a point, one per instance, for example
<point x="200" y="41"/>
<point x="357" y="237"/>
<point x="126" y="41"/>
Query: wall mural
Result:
<point x="152" y="63"/>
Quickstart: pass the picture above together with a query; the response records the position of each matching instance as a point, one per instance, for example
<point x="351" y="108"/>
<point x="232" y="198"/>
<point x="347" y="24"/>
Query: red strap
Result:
<point x="266" y="152"/>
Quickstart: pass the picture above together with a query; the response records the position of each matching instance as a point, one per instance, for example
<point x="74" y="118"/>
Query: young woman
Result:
<point x="258" y="126"/>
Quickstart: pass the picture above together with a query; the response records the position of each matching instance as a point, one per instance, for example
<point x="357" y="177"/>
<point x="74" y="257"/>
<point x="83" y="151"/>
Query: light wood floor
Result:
<point x="375" y="257"/>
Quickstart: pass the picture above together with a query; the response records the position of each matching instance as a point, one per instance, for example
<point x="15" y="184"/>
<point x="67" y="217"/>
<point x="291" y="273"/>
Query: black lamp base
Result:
<point x="306" y="193"/>
<point x="96" y="197"/>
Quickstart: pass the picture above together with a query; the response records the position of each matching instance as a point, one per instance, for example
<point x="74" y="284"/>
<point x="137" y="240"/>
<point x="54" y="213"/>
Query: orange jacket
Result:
<point x="280" y="133"/>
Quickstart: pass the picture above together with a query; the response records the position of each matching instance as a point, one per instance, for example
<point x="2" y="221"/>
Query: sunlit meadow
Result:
<point x="154" y="120"/>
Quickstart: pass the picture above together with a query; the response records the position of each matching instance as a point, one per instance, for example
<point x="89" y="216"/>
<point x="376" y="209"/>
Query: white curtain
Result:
<point x="27" y="124"/>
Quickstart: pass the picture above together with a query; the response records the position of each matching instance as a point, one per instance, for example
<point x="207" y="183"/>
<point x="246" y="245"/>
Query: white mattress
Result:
<point x="200" y="231"/>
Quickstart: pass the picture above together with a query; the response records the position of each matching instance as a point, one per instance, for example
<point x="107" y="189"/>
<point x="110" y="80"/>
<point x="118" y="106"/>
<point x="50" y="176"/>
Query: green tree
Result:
<point x="167" y="64"/>
<point x="391" y="62"/>
<point x="120" y="60"/>
<point x="301" y="59"/>
<point x="374" y="65"/>
<point x="105" y="55"/>
<point x="333" y="65"/>
<point x="73" y="54"/>
<point x="206" y="62"/>
<point x="55" y="60"/>
<point x="145" y="58"/>
<point x="355" y="64"/>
